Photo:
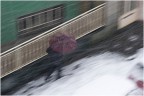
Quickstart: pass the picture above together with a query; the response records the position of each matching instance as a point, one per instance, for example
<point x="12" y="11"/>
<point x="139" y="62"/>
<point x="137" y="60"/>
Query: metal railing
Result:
<point x="35" y="48"/>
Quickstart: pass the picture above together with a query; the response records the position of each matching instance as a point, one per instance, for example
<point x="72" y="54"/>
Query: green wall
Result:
<point x="11" y="10"/>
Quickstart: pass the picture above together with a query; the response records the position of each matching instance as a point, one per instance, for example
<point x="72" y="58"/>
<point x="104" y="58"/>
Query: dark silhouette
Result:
<point x="55" y="58"/>
<point x="59" y="45"/>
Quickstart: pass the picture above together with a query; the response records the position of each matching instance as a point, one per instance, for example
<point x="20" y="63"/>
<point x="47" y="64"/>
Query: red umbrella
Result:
<point x="140" y="84"/>
<point x="62" y="43"/>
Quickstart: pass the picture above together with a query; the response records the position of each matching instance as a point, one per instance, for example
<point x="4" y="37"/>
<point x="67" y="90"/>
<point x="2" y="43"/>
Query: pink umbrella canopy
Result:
<point x="62" y="43"/>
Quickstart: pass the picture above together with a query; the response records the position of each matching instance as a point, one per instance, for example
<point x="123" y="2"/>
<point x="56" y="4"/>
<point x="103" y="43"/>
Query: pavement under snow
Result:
<point x="97" y="75"/>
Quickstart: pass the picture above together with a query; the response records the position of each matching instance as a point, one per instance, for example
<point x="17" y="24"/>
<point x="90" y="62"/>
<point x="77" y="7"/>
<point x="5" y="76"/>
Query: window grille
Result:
<point x="35" y="20"/>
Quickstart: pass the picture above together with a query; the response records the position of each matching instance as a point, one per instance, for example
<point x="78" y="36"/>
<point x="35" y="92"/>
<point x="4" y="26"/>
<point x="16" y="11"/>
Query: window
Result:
<point x="49" y="15"/>
<point x="43" y="17"/>
<point x="35" y="20"/>
<point x="57" y="13"/>
<point x="28" y="22"/>
<point x="133" y="5"/>
<point x="129" y="5"/>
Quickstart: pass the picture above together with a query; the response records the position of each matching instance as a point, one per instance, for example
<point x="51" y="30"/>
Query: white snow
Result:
<point x="108" y="85"/>
<point x="99" y="75"/>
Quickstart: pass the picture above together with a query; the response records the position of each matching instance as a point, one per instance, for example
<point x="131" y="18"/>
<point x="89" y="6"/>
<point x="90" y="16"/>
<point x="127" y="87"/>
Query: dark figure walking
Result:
<point x="60" y="44"/>
<point x="55" y="59"/>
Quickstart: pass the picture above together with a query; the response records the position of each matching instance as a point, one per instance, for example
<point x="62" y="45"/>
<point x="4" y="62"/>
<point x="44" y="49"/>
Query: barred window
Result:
<point x="129" y="5"/>
<point x="22" y="24"/>
<point x="49" y="15"/>
<point x="34" y="20"/>
<point x="133" y="4"/>
<point x="29" y="22"/>
<point x="57" y="13"/>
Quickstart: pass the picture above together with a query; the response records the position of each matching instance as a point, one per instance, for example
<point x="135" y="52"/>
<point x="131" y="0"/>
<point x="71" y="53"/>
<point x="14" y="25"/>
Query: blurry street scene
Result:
<point x="72" y="48"/>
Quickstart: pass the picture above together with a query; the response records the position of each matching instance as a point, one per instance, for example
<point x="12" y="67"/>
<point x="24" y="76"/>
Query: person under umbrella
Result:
<point x="59" y="45"/>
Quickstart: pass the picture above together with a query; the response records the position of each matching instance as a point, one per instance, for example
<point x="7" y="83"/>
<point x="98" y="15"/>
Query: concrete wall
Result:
<point x="140" y="11"/>
<point x="112" y="12"/>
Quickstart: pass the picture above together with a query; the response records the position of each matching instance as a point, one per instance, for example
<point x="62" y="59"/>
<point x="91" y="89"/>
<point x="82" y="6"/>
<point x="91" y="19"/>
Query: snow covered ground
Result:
<point x="98" y="75"/>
